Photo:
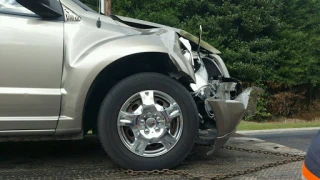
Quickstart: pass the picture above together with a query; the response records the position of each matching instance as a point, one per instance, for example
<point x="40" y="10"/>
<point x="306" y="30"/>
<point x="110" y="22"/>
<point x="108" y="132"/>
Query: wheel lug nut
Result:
<point x="157" y="129"/>
<point x="142" y="122"/>
<point x="158" y="118"/>
<point x="147" y="131"/>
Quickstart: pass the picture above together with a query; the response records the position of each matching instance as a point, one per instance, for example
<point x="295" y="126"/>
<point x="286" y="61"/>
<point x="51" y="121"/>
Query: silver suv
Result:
<point x="147" y="90"/>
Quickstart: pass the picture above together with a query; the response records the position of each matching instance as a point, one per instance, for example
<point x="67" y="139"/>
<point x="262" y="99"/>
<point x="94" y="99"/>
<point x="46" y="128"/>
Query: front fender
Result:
<point x="157" y="40"/>
<point x="81" y="68"/>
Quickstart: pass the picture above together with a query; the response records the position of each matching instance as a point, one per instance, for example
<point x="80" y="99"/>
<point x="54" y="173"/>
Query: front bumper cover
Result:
<point x="228" y="114"/>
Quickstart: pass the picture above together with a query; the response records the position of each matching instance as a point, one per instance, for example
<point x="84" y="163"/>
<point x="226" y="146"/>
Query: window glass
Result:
<point x="12" y="6"/>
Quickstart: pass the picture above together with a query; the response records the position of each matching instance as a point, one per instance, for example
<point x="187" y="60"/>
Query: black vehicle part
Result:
<point x="44" y="8"/>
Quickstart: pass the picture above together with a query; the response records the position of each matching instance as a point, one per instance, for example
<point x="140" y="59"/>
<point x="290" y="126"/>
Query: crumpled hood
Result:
<point x="148" y="25"/>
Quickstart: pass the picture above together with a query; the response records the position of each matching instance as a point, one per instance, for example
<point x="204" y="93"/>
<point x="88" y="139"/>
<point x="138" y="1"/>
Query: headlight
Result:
<point x="188" y="52"/>
<point x="188" y="56"/>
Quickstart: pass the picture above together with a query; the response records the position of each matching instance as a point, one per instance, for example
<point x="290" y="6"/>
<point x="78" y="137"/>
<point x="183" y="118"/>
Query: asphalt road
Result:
<point x="86" y="160"/>
<point x="295" y="139"/>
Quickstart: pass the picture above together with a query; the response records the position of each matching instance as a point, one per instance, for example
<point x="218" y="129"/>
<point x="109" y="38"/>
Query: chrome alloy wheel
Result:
<point x="150" y="123"/>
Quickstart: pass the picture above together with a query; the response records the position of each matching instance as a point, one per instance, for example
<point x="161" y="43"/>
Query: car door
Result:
<point x="31" y="57"/>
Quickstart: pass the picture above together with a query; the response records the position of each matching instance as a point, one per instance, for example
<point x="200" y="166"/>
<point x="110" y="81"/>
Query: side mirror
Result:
<point x="43" y="8"/>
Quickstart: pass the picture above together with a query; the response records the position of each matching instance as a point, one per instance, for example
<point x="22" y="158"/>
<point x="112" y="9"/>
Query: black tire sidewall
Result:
<point x="108" y="130"/>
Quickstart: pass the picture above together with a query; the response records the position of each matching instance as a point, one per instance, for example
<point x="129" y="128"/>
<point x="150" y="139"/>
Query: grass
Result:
<point x="245" y="125"/>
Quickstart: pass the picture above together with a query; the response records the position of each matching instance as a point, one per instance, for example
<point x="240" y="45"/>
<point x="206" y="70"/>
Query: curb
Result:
<point x="276" y="130"/>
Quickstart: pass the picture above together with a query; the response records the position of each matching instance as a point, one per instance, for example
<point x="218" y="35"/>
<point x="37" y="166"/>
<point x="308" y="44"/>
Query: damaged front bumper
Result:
<point x="228" y="114"/>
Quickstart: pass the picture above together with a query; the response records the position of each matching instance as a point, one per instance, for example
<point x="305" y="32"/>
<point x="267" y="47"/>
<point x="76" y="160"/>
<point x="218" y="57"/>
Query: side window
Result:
<point x="13" y="7"/>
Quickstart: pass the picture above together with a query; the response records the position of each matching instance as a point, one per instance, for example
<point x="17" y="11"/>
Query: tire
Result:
<point x="110" y="137"/>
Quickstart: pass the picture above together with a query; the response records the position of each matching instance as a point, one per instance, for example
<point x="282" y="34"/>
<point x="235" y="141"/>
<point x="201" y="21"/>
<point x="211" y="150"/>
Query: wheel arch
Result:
<point x="118" y="70"/>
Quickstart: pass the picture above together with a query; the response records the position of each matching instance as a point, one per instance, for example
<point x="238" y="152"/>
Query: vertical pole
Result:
<point x="102" y="8"/>
<point x="107" y="7"/>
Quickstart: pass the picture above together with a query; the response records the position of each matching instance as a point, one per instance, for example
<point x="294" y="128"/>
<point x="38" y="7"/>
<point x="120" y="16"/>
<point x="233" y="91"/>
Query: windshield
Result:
<point x="86" y="3"/>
